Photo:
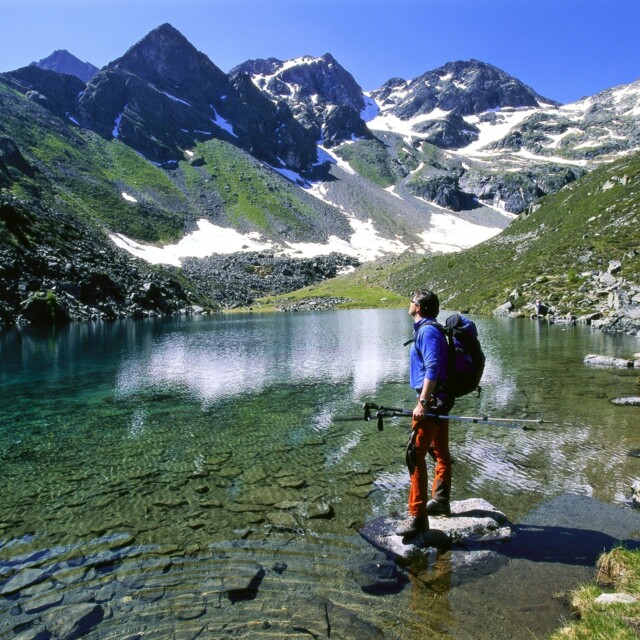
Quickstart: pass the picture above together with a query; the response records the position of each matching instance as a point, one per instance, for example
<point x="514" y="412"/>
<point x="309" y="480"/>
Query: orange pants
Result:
<point x="432" y="434"/>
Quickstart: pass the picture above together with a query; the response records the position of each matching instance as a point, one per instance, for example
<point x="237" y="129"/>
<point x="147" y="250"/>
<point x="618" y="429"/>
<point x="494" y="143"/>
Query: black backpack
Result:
<point x="466" y="358"/>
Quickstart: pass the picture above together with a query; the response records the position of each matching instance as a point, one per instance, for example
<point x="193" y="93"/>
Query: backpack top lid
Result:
<point x="458" y="323"/>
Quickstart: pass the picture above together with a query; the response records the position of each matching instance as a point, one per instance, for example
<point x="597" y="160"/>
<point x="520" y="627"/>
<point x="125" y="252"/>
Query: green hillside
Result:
<point x="556" y="252"/>
<point x="553" y="252"/>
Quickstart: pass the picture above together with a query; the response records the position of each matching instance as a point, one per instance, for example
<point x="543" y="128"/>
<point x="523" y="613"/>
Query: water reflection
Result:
<point x="223" y="360"/>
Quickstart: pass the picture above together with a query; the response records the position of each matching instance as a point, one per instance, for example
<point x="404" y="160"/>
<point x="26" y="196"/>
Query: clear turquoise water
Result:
<point x="194" y="442"/>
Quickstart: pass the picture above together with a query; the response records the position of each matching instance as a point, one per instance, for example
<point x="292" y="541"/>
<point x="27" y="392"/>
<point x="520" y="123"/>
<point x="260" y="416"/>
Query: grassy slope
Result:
<point x="577" y="230"/>
<point x="251" y="196"/>
<point x="619" y="572"/>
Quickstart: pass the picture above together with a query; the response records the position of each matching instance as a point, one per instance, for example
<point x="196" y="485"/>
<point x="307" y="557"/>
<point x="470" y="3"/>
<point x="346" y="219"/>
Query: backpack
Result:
<point x="466" y="358"/>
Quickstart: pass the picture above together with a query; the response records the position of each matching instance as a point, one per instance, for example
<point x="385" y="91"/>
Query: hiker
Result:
<point x="541" y="308"/>
<point x="428" y="370"/>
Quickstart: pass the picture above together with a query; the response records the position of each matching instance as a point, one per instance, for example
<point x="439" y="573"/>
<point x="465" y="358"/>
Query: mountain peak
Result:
<point x="164" y="52"/>
<point x="470" y="87"/>
<point x="61" y="61"/>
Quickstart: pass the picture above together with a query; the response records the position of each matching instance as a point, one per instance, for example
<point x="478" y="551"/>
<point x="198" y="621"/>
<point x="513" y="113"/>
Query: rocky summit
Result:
<point x="321" y="93"/>
<point x="163" y="95"/>
<point x="466" y="87"/>
<point x="61" y="61"/>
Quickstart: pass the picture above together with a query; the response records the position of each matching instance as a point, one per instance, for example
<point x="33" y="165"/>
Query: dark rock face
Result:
<point x="516" y="191"/>
<point x="470" y="87"/>
<point x="322" y="95"/>
<point x="450" y="132"/>
<point x="442" y="189"/>
<point x="54" y="91"/>
<point x="12" y="163"/>
<point x="342" y="123"/>
<point x="62" y="61"/>
<point x="163" y="95"/>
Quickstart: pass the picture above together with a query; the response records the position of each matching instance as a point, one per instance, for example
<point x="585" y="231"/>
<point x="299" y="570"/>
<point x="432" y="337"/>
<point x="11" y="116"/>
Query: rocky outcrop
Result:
<point x="441" y="188"/>
<point x="516" y="191"/>
<point x="604" y="299"/>
<point x="450" y="132"/>
<point x="322" y="95"/>
<point x="13" y="165"/>
<point x="237" y="280"/>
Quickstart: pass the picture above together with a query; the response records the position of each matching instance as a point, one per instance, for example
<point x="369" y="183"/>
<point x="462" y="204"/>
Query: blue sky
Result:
<point x="564" y="49"/>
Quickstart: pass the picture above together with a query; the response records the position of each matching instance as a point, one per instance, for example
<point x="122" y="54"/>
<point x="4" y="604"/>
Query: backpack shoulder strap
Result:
<point x="426" y="323"/>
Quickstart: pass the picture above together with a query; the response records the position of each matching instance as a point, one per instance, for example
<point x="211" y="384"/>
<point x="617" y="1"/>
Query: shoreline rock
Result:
<point x="471" y="521"/>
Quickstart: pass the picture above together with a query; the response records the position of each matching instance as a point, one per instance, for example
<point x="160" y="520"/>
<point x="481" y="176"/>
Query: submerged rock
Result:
<point x="73" y="621"/>
<point x="323" y="619"/>
<point x="378" y="575"/>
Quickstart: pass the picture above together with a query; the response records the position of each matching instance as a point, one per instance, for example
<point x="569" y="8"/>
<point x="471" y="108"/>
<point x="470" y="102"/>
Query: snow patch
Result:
<point x="116" y="124"/>
<point x="205" y="241"/>
<point x="175" y="99"/>
<point x="219" y="121"/>
<point x="445" y="226"/>
<point x="289" y="174"/>
<point x="392" y="191"/>
<point x="371" y="109"/>
<point x="127" y="197"/>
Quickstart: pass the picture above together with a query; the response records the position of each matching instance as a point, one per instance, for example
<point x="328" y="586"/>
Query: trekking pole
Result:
<point x="389" y="412"/>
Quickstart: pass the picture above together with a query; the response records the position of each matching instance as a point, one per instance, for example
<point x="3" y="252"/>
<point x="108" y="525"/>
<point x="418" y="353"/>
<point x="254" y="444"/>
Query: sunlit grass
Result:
<point x="618" y="572"/>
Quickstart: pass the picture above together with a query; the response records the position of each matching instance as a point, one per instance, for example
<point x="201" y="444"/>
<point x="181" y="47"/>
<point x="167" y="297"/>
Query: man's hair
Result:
<point x="428" y="303"/>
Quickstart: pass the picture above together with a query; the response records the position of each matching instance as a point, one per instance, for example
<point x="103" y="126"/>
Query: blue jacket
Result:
<point x="429" y="354"/>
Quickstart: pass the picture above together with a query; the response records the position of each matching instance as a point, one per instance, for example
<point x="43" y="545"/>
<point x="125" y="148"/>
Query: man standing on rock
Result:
<point x="428" y="374"/>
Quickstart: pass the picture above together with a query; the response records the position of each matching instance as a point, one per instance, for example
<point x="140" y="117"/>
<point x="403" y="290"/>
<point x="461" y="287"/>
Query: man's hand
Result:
<point x="419" y="411"/>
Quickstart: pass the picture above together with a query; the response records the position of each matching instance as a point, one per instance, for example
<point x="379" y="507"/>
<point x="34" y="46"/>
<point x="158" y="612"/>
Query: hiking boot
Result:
<point x="412" y="526"/>
<point x="438" y="507"/>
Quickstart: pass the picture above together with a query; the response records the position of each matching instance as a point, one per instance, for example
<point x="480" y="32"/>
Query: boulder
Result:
<point x="616" y="598"/>
<point x="631" y="401"/>
<point x="635" y="494"/>
<point x="44" y="309"/>
<point x="241" y="579"/>
<point x="503" y="309"/>
<point x="470" y="521"/>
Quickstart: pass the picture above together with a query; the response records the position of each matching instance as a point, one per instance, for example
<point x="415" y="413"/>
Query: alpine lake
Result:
<point x="206" y="477"/>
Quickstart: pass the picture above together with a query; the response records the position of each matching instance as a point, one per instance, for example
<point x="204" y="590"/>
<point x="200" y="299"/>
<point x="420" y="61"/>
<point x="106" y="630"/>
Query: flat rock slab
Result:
<point x="473" y="520"/>
<point x="631" y="401"/>
<point x="595" y="360"/>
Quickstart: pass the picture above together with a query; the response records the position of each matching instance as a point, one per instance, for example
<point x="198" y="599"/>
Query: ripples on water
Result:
<point x="150" y="467"/>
